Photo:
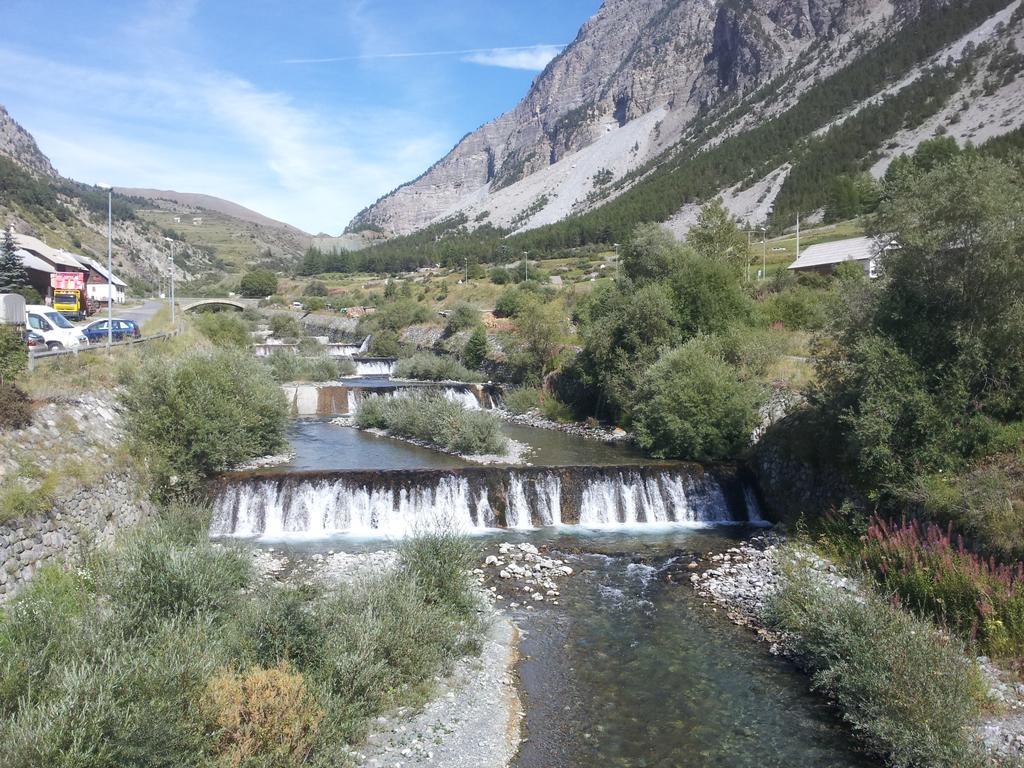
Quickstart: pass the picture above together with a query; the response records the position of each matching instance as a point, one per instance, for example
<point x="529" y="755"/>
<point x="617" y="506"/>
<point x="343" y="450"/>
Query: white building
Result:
<point x="825" y="257"/>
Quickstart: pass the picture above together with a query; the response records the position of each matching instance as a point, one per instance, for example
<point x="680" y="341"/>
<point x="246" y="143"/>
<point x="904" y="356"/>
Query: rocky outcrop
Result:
<point x="18" y="144"/>
<point x="633" y="58"/>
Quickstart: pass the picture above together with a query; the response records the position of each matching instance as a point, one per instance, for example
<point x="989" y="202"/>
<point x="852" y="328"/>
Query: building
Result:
<point x="825" y="257"/>
<point x="42" y="262"/>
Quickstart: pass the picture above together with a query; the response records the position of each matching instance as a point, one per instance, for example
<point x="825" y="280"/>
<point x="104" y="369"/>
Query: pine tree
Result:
<point x="13" y="277"/>
<point x="475" y="351"/>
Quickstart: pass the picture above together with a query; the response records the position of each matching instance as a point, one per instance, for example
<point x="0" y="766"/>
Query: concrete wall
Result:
<point x="79" y="521"/>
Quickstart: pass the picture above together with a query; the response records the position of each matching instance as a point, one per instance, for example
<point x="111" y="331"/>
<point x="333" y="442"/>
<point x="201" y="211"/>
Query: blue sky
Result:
<point x="305" y="110"/>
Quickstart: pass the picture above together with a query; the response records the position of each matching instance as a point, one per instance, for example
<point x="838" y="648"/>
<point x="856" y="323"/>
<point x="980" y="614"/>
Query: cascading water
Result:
<point x="375" y="367"/>
<point x="472" y="499"/>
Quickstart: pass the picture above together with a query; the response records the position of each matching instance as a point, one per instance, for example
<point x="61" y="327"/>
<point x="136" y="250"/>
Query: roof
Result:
<point x="838" y="251"/>
<point x="103" y="271"/>
<point x="52" y="255"/>
<point x="31" y="261"/>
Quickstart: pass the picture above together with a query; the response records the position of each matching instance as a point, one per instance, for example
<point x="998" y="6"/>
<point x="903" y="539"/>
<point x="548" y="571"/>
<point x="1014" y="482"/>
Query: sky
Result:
<point x="304" y="110"/>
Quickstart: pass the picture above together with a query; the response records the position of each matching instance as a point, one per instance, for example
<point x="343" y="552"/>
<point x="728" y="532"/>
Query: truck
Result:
<point x="68" y="295"/>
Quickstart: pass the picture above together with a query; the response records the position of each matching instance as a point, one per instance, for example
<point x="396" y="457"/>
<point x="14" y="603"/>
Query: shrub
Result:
<point x="907" y="692"/>
<point x="935" y="574"/>
<point x="286" y="367"/>
<point x="798" y="307"/>
<point x="196" y="416"/>
<point x="224" y="329"/>
<point x="510" y="302"/>
<point x="500" y="276"/>
<point x="13" y="354"/>
<point x="315" y="288"/>
<point x="435" y="419"/>
<point x="554" y="409"/>
<point x="463" y="316"/>
<point x="442" y="563"/>
<point x="522" y="399"/>
<point x="474" y="353"/>
<point x="429" y="367"/>
<point x="15" y="408"/>
<point x="267" y="715"/>
<point x="692" y="405"/>
<point x="286" y="327"/>
<point x="258" y="284"/>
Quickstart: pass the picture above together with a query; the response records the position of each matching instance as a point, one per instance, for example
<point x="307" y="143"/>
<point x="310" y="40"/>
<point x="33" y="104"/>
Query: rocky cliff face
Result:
<point x="18" y="144"/>
<point x="644" y="70"/>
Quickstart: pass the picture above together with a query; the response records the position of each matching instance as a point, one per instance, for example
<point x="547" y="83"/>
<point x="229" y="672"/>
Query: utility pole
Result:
<point x="526" y="265"/>
<point x="618" y="260"/>
<point x="110" y="266"/>
<point x="748" y="255"/>
<point x="798" y="234"/>
<point x="467" y="269"/>
<point x="764" y="253"/>
<point x="174" y="323"/>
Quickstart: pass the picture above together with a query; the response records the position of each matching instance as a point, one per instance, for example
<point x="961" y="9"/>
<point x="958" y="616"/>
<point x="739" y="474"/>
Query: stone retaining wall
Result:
<point x="79" y="521"/>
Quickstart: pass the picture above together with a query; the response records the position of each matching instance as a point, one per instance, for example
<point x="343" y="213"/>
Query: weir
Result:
<point x="397" y="502"/>
<point x="342" y="398"/>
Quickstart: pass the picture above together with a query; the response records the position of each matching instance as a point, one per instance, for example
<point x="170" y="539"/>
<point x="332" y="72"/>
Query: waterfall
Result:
<point x="398" y="502"/>
<point x="463" y="396"/>
<point x="375" y="367"/>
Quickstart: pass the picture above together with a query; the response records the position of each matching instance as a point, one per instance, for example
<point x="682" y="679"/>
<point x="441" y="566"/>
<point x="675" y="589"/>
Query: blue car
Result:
<point x="123" y="330"/>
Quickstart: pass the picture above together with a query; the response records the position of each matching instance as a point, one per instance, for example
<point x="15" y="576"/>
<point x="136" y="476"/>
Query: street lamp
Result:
<point x="174" y="323"/>
<point x="618" y="260"/>
<point x="764" y="253"/>
<point x="110" y="266"/>
<point x="526" y="265"/>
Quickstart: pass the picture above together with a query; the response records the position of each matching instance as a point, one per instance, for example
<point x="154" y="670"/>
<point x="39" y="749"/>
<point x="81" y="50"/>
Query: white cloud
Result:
<point x="533" y="58"/>
<point x="215" y="133"/>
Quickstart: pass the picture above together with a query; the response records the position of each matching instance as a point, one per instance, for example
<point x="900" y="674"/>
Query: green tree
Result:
<point x="475" y="351"/>
<point x="691" y="404"/>
<point x="651" y="254"/>
<point x="315" y="288"/>
<point x="715" y="236"/>
<point x="13" y="277"/>
<point x="258" y="284"/>
<point x="537" y="339"/>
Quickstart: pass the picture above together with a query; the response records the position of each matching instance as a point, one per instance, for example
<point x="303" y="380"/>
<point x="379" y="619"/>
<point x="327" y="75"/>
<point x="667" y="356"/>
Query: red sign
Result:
<point x="68" y="281"/>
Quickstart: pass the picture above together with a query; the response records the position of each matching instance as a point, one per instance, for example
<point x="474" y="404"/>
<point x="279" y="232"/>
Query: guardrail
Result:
<point x="35" y="357"/>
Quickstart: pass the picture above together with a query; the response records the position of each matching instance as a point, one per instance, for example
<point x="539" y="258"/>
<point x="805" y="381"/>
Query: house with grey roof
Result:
<point x="823" y="258"/>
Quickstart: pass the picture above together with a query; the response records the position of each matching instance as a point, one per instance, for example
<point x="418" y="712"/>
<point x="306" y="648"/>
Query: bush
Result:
<point x="474" y="353"/>
<point x="429" y="367"/>
<point x="286" y="367"/>
<point x="500" y="276"/>
<point x="199" y="415"/>
<point x="111" y="666"/>
<point x="463" y="316"/>
<point x="435" y="419"/>
<point x="522" y="399"/>
<point x="315" y="288"/>
<point x="13" y="354"/>
<point x="286" y="327"/>
<point x="510" y="302"/>
<point x="224" y="329"/>
<point x="15" y="408"/>
<point x="907" y="692"/>
<point x="799" y="307"/>
<point x="267" y="715"/>
<point x="258" y="284"/>
<point x="692" y="405"/>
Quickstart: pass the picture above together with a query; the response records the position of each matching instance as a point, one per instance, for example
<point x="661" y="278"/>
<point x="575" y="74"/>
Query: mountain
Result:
<point x="193" y="201"/>
<point x="216" y="238"/>
<point x="661" y="104"/>
<point x="18" y="145"/>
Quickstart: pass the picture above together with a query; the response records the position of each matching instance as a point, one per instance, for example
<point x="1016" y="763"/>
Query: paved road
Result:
<point x="139" y="314"/>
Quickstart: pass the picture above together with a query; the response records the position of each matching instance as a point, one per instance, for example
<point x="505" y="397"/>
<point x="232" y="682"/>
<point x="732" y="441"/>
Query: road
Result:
<point x="140" y="314"/>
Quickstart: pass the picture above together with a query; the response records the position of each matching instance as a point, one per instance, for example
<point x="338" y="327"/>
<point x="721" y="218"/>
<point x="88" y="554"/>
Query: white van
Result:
<point x="53" y="327"/>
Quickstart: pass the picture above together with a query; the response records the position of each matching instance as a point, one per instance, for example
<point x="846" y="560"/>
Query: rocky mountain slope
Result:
<point x="227" y="239"/>
<point x="18" y="144"/>
<point x="649" y="84"/>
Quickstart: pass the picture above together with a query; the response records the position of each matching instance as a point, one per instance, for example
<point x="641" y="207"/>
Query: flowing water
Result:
<point x="633" y="670"/>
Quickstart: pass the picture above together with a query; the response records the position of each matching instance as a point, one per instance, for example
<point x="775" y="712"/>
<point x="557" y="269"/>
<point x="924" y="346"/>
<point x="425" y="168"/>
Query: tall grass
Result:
<point x="167" y="652"/>
<point x="433" y="418"/>
<point x="286" y="367"/>
<point x="934" y="573"/>
<point x="908" y="692"/>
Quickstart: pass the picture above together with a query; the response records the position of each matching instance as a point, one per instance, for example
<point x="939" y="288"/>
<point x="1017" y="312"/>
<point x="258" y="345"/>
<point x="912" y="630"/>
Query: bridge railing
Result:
<point x="35" y="358"/>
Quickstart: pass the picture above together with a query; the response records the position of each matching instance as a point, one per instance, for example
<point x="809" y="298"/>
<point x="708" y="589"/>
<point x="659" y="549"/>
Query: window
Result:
<point x="36" y="323"/>
<point x="59" y="320"/>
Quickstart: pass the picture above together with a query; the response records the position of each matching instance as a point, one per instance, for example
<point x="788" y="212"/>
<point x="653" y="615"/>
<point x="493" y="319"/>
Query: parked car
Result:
<point x="34" y="341"/>
<point x="55" y="329"/>
<point x="96" y="331"/>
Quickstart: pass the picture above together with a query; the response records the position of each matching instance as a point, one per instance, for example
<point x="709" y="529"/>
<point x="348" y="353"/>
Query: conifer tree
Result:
<point x="13" y="277"/>
<point x="475" y="351"/>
